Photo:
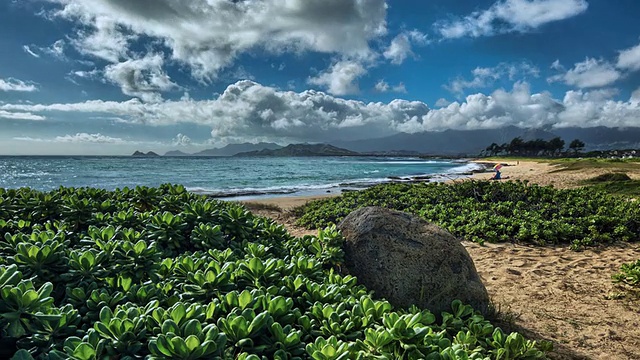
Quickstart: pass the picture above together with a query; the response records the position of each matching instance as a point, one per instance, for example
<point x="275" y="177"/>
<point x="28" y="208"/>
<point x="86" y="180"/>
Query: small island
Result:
<point x="142" y="154"/>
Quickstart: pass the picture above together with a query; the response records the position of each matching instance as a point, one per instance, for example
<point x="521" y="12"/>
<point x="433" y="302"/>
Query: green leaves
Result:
<point x="190" y="341"/>
<point x="20" y="301"/>
<point x="495" y="211"/>
<point x="160" y="273"/>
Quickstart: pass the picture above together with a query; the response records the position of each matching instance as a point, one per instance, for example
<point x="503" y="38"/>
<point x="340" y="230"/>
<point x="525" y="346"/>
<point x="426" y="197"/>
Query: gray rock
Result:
<point x="409" y="261"/>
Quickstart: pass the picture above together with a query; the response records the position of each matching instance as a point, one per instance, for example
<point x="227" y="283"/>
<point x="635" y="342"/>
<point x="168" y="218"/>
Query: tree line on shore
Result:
<point x="537" y="147"/>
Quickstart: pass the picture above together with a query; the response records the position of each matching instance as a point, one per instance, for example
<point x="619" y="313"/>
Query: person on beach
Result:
<point x="497" y="168"/>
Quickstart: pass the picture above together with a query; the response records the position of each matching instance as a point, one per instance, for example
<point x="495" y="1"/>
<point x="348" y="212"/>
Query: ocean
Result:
<point x="225" y="177"/>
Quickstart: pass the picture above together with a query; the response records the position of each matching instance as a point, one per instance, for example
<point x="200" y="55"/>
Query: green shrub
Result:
<point x="159" y="273"/>
<point x="495" y="211"/>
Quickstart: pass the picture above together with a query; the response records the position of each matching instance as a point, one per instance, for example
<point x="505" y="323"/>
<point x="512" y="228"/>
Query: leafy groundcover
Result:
<point x="159" y="273"/>
<point x="496" y="211"/>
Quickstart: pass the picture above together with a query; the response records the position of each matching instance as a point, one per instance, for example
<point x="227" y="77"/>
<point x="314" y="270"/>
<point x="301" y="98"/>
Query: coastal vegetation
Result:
<point x="496" y="211"/>
<point x="161" y="273"/>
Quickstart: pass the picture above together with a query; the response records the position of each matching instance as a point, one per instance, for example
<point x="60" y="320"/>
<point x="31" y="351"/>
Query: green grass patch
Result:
<point x="585" y="164"/>
<point x="615" y="183"/>
<point x="160" y="273"/>
<point x="496" y="211"/>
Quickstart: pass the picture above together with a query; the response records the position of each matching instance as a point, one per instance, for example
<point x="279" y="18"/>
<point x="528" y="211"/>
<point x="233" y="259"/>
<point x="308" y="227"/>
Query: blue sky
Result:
<point x="113" y="76"/>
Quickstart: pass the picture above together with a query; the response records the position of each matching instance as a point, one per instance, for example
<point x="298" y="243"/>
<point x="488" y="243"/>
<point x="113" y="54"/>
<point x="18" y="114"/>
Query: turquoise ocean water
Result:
<point x="224" y="176"/>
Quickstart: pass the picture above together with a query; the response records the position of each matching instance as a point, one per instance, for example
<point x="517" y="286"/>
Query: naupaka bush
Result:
<point x="496" y="211"/>
<point x="159" y="273"/>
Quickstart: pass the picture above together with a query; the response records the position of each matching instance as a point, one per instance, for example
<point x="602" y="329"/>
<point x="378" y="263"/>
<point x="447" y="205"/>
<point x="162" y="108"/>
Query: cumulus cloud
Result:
<point x="400" y="88"/>
<point x="383" y="86"/>
<point x="486" y="76"/>
<point x="181" y="140"/>
<point x="250" y="111"/>
<point x="143" y="78"/>
<point x="20" y="116"/>
<point x="635" y="96"/>
<point x="89" y="138"/>
<point x="590" y="73"/>
<point x="442" y="102"/>
<point x="507" y="16"/>
<point x="629" y="59"/>
<point x="340" y="78"/>
<point x="520" y="107"/>
<point x="12" y="84"/>
<point x="400" y="47"/>
<point x="207" y="35"/>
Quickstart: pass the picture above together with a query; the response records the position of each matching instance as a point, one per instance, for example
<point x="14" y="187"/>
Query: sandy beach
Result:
<point x="549" y="293"/>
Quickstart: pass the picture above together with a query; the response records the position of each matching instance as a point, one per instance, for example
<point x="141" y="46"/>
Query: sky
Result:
<point x="113" y="76"/>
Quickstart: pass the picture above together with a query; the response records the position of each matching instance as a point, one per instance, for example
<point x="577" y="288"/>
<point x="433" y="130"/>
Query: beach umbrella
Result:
<point x="497" y="167"/>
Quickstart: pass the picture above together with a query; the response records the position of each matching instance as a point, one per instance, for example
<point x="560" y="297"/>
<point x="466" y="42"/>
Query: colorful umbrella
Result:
<point x="498" y="167"/>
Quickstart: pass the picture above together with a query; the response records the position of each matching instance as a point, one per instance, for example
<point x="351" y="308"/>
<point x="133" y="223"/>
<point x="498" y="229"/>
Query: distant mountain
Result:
<point x="141" y="154"/>
<point x="602" y="138"/>
<point x="448" y="142"/>
<point x="233" y="149"/>
<point x="471" y="142"/>
<point x="176" y="153"/>
<point x="302" y="150"/>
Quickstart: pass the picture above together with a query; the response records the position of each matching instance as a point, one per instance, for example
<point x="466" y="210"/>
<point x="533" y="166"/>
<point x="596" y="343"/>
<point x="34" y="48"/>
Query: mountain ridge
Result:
<point x="301" y="150"/>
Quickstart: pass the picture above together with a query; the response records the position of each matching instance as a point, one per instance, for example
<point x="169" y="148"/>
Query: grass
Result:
<point x="569" y="164"/>
<point x="616" y="183"/>
<point x="253" y="206"/>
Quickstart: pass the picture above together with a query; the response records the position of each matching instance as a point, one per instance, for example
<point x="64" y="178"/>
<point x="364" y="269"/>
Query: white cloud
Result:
<point x="400" y="47"/>
<point x="207" y="35"/>
<point x="520" y="107"/>
<point x="250" y="111"/>
<point x="635" y="96"/>
<point x="400" y="88"/>
<point x="340" y="78"/>
<point x="89" y="138"/>
<point x="629" y="59"/>
<point x="91" y="74"/>
<point x="12" y="84"/>
<point x="383" y="86"/>
<point x="85" y="138"/>
<point x="106" y="41"/>
<point x="28" y="50"/>
<point x="181" y="140"/>
<point x="56" y="49"/>
<point x="442" y="102"/>
<point x="507" y="16"/>
<point x="143" y="78"/>
<point x="486" y="76"/>
<point x="590" y="73"/>
<point x="20" y="116"/>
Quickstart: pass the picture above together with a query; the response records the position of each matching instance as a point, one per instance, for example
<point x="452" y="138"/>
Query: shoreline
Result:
<point x="466" y="169"/>
<point x="523" y="170"/>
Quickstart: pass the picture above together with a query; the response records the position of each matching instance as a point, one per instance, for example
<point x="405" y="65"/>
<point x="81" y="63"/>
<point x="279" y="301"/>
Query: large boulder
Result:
<point x="409" y="261"/>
